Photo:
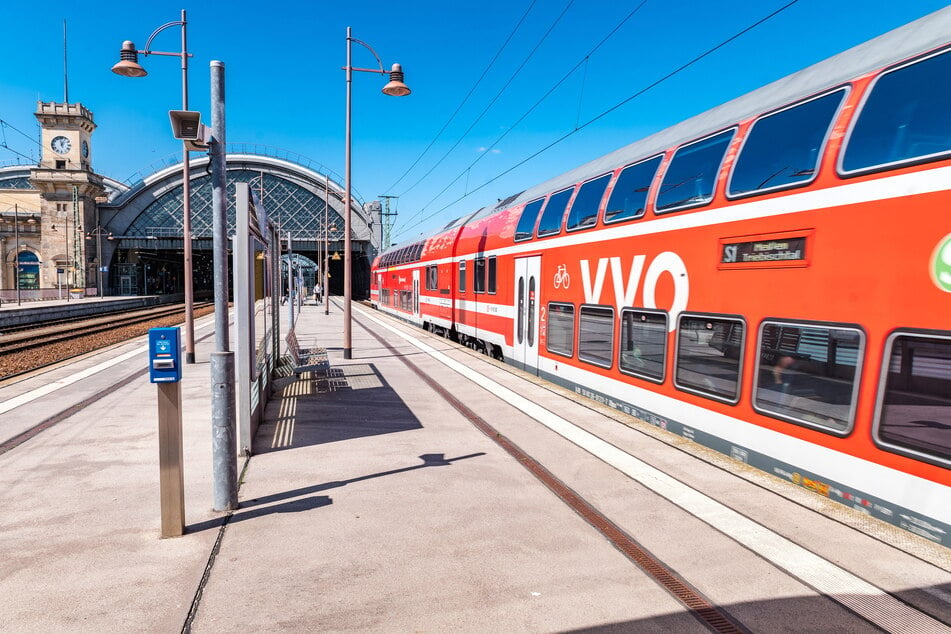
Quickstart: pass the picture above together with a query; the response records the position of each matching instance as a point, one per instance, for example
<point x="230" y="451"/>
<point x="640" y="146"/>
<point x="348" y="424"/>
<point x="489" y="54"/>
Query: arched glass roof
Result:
<point x="295" y="197"/>
<point x="295" y="209"/>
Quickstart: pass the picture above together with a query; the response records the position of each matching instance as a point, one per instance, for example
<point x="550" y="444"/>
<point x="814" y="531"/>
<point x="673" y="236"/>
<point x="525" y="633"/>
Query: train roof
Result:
<point x="924" y="34"/>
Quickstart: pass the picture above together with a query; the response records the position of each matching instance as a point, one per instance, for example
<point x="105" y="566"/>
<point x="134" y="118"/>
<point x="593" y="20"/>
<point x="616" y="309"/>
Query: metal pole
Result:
<point x="99" y="248"/>
<point x="16" y="255"/>
<point x="290" y="284"/>
<point x="171" y="459"/>
<point x="187" y="215"/>
<point x="347" y="281"/>
<point x="68" y="285"/>
<point x="224" y="443"/>
<point x="275" y="289"/>
<point x="327" y="248"/>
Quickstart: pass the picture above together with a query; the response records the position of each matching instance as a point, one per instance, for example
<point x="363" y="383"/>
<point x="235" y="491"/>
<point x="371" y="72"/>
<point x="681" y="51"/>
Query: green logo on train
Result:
<point x="941" y="265"/>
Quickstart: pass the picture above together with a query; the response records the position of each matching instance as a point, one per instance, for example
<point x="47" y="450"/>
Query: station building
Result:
<point x="65" y="228"/>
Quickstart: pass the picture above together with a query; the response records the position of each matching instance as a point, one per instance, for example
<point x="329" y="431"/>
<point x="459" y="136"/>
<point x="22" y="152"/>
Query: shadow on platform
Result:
<point x="330" y="404"/>
<point x="285" y="501"/>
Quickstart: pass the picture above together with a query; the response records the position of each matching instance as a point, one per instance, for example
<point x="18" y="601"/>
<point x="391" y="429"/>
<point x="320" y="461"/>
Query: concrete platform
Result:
<point x="370" y="504"/>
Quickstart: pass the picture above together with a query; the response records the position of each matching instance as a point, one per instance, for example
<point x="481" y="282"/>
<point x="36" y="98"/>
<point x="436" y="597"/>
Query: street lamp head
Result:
<point x="396" y="87"/>
<point x="128" y="65"/>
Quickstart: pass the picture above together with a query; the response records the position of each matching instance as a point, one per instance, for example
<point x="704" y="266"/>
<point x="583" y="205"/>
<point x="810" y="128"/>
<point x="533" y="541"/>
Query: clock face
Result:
<point x="60" y="144"/>
<point x="84" y="147"/>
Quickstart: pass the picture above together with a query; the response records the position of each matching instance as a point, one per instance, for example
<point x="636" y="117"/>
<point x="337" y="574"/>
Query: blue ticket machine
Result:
<point x="165" y="364"/>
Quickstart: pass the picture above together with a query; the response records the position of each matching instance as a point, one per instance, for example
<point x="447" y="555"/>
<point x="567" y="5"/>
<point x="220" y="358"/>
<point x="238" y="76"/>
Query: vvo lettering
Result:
<point x="626" y="287"/>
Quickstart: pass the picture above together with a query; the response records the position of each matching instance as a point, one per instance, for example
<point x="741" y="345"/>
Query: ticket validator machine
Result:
<point x="165" y="370"/>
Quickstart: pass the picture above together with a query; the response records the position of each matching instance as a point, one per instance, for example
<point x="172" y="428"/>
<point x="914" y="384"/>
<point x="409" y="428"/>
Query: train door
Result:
<point x="416" y="293"/>
<point x="527" y="283"/>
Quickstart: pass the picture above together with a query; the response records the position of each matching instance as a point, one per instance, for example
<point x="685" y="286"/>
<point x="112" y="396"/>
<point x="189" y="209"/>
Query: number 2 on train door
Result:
<point x="527" y="301"/>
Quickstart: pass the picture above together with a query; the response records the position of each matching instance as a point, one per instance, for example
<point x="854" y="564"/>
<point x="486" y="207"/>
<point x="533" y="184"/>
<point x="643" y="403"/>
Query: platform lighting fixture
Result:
<point x="395" y="88"/>
<point x="128" y="66"/>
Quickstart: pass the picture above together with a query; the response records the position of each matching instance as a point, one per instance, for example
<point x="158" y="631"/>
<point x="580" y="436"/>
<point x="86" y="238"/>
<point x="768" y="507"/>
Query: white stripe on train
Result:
<point x="914" y="183"/>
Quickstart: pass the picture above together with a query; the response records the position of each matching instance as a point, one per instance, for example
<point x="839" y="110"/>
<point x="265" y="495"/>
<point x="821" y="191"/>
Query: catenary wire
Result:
<point x="525" y="115"/>
<point x="466" y="98"/>
<point x="606" y="112"/>
<point x="494" y="99"/>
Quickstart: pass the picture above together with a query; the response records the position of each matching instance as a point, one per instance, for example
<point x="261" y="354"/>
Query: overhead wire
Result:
<point x="508" y="129"/>
<point x="608" y="111"/>
<point x="466" y="98"/>
<point x="3" y="139"/>
<point x="494" y="99"/>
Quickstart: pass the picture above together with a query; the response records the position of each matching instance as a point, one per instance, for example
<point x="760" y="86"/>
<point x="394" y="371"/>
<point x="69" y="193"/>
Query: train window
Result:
<point x="526" y="222"/>
<point x="643" y="344"/>
<point x="478" y="275"/>
<point x="914" y="407"/>
<point x="596" y="335"/>
<point x="629" y="196"/>
<point x="550" y="224"/>
<point x="709" y="350"/>
<point x="432" y="278"/>
<point x="493" y="272"/>
<point x="692" y="173"/>
<point x="783" y="148"/>
<point x="561" y="329"/>
<point x="904" y="117"/>
<point x="809" y="374"/>
<point x="462" y="276"/>
<point x="584" y="209"/>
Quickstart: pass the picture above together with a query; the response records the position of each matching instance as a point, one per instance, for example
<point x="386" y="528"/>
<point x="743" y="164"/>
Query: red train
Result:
<point x="771" y="278"/>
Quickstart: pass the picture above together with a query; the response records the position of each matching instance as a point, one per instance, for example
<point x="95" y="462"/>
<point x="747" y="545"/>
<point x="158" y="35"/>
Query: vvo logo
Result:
<point x="626" y="287"/>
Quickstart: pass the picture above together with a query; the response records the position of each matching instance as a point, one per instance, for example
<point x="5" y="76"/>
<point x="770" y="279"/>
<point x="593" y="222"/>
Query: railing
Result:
<point x="44" y="294"/>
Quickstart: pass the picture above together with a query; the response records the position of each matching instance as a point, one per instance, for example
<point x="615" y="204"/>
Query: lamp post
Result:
<point x="327" y="229"/>
<point x="395" y="88"/>
<point x="128" y="66"/>
<point x="16" y="256"/>
<point x="69" y="286"/>
<point x="98" y="232"/>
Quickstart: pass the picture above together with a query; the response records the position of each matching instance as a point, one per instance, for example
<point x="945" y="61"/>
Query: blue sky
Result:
<point x="285" y="87"/>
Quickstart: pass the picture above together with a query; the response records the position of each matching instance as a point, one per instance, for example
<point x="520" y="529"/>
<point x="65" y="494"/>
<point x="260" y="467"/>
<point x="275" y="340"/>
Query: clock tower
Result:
<point x="68" y="189"/>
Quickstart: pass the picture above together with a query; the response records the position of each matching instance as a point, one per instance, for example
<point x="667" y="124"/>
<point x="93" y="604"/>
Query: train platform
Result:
<point x="420" y="487"/>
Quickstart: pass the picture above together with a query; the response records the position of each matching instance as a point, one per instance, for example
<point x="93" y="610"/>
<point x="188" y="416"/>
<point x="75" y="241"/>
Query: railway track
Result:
<point x="50" y="334"/>
<point x="26" y="350"/>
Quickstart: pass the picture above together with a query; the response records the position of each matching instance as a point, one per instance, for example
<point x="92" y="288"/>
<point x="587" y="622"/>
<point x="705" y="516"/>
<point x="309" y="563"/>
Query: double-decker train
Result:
<point x="771" y="278"/>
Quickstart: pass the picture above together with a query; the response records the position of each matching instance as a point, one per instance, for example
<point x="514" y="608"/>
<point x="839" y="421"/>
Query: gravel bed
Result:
<point x="23" y="361"/>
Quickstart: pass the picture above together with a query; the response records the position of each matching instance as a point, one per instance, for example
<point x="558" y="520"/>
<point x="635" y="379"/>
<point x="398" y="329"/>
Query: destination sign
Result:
<point x="783" y="250"/>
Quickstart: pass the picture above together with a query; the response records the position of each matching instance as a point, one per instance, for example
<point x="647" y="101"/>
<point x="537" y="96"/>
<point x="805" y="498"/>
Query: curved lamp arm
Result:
<point x="369" y="48"/>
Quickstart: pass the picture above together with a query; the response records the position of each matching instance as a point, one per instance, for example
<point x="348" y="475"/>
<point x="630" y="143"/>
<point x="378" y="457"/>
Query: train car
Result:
<point x="771" y="278"/>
